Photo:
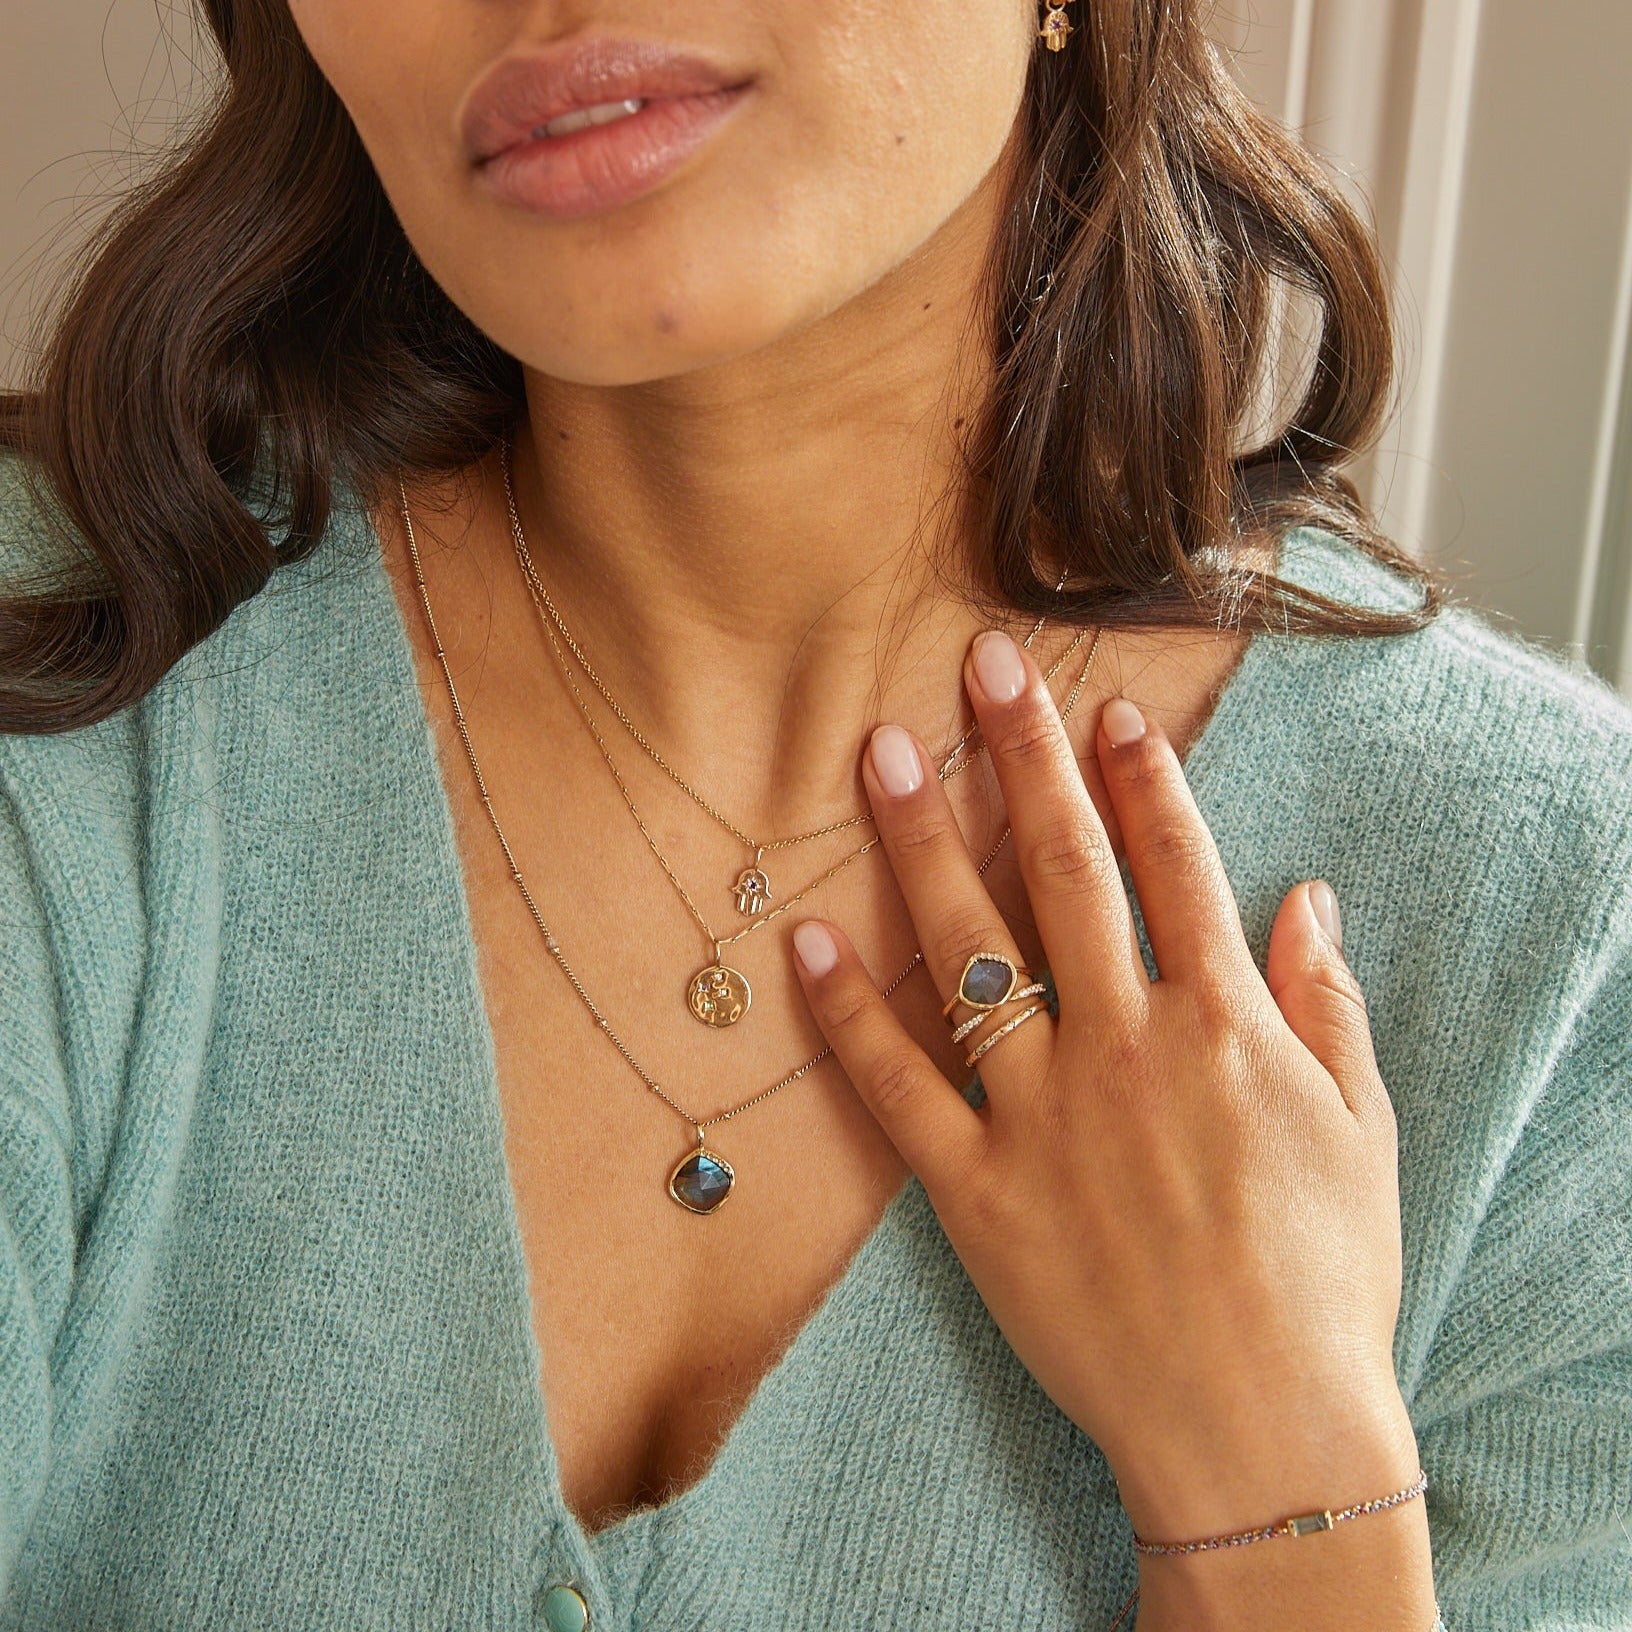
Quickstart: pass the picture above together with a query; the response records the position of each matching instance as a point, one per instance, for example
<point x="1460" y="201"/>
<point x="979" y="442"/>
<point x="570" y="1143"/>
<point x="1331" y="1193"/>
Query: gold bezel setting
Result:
<point x="1017" y="973"/>
<point x="720" y="1162"/>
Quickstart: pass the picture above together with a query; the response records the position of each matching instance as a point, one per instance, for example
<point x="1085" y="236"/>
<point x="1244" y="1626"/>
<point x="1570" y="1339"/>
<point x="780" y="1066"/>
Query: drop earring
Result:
<point x="1056" y="25"/>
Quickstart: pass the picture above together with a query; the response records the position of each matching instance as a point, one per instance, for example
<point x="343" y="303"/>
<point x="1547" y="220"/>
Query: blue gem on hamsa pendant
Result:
<point x="701" y="1180"/>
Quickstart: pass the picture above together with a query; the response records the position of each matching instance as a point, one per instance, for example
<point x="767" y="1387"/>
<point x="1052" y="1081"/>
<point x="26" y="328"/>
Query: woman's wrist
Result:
<point x="1375" y="1576"/>
<point x="1298" y="1458"/>
<point x="1373" y="1571"/>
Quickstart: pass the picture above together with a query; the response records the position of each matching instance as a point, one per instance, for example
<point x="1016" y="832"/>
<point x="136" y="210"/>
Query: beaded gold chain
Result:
<point x="702" y="1180"/>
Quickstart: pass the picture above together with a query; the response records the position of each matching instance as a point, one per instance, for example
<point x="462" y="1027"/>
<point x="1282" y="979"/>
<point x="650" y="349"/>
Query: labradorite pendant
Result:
<point x="701" y="1180"/>
<point x="719" y="995"/>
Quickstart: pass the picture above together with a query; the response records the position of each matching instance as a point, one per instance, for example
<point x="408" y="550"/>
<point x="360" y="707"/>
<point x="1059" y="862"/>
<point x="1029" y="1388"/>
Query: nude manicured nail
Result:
<point x="815" y="947"/>
<point x="895" y="761"/>
<point x="1323" y="898"/>
<point x="1122" y="721"/>
<point x="999" y="667"/>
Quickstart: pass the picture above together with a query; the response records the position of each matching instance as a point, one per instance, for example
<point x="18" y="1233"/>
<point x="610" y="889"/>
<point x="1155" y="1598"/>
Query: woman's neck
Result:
<point x="752" y="554"/>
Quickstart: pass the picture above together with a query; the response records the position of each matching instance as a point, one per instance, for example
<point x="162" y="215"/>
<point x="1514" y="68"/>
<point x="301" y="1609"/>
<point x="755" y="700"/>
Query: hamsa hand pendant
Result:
<point x="753" y="891"/>
<point x="1056" y="25"/>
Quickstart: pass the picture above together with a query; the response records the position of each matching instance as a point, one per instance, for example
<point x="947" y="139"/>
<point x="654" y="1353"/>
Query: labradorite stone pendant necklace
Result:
<point x="701" y="1180"/>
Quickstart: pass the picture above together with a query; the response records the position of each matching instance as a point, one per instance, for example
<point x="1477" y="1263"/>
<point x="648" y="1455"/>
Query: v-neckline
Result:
<point x="884" y="1243"/>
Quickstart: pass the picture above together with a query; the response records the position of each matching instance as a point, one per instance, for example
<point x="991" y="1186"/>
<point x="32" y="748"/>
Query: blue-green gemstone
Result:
<point x="565" y="1610"/>
<point x="702" y="1181"/>
<point x="986" y="981"/>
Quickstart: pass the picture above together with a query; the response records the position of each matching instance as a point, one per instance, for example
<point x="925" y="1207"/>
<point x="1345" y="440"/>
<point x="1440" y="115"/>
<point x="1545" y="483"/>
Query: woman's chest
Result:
<point x="656" y="1324"/>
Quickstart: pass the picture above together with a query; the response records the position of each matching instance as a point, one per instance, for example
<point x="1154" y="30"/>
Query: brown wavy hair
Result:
<point x="251" y="324"/>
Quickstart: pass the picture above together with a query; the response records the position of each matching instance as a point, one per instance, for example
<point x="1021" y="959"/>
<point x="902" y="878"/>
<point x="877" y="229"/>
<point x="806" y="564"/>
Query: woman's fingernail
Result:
<point x="1323" y="898"/>
<point x="815" y="947"/>
<point x="1122" y="721"/>
<point x="895" y="761"/>
<point x="999" y="666"/>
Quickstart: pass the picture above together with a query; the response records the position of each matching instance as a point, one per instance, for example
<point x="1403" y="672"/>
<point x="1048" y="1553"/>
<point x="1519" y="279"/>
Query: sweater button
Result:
<point x="564" y="1609"/>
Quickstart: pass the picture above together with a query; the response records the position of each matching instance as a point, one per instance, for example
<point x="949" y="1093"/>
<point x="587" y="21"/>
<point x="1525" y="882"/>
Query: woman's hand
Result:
<point x="1180" y="1202"/>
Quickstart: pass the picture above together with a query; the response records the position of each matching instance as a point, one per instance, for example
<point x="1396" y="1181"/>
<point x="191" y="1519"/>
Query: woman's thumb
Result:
<point x="1317" y="993"/>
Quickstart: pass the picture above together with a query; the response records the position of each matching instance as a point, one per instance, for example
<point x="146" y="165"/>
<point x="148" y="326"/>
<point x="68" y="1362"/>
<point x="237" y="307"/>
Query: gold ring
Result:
<point x="1003" y="1030"/>
<point x="988" y="980"/>
<point x="1038" y="988"/>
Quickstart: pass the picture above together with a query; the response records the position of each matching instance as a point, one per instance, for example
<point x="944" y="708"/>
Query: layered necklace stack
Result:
<point x="718" y="994"/>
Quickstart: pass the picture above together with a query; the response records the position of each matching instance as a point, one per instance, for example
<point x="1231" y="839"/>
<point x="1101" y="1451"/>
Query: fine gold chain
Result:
<point x="720" y="941"/>
<point x="550" y="940"/>
<point x="541" y="596"/>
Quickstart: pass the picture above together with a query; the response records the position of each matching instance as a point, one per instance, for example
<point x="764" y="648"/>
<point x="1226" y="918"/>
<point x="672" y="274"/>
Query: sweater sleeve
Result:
<point x="1527" y="1436"/>
<point x="36" y="1203"/>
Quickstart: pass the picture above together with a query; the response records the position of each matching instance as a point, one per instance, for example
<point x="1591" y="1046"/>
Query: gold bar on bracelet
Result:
<point x="1307" y="1523"/>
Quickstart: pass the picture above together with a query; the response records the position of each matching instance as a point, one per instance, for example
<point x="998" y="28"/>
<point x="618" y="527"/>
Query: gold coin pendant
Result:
<point x="719" y="995"/>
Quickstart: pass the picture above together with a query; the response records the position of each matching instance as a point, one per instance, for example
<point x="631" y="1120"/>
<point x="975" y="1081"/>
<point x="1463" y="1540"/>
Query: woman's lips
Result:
<point x="587" y="172"/>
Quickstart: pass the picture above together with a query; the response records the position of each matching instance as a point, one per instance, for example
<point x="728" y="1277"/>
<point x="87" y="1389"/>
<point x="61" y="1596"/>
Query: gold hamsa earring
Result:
<point x="1056" y="25"/>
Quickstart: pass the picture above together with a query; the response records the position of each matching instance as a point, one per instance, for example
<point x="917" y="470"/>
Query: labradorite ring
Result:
<point x="988" y="981"/>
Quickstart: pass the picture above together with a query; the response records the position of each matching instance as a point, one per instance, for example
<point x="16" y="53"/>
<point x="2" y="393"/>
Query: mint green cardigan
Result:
<point x="265" y="1352"/>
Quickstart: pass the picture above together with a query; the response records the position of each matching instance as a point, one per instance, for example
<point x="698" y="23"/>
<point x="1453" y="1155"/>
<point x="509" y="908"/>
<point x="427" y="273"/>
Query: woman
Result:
<point x="780" y="608"/>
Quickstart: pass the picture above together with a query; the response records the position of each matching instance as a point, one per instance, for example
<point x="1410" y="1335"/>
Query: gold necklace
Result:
<point x="753" y="887"/>
<point x="718" y="994"/>
<point x="702" y="1180"/>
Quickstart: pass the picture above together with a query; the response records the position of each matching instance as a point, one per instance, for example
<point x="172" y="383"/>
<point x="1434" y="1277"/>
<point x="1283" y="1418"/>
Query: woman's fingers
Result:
<point x="951" y="910"/>
<point x="1184" y="893"/>
<point x="1065" y="854"/>
<point x="939" y="1134"/>
<point x="1320" y="999"/>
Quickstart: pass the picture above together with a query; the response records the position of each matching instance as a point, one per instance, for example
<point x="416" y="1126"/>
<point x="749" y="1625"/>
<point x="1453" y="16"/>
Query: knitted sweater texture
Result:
<point x="266" y="1358"/>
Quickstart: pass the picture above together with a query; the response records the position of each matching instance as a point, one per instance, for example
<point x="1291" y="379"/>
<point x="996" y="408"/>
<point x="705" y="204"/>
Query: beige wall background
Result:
<point x="1490" y="141"/>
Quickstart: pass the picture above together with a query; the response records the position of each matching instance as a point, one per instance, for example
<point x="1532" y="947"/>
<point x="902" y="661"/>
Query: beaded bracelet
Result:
<point x="1301" y="1525"/>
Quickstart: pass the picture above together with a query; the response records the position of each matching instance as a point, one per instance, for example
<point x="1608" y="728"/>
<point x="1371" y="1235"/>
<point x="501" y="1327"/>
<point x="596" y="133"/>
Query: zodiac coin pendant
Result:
<point x="753" y="891"/>
<point x="702" y="1179"/>
<point x="719" y="995"/>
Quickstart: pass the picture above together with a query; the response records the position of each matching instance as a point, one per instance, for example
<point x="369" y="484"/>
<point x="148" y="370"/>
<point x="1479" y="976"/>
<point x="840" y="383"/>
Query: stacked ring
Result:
<point x="989" y="981"/>
<point x="1003" y="1030"/>
<point x="1036" y="989"/>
